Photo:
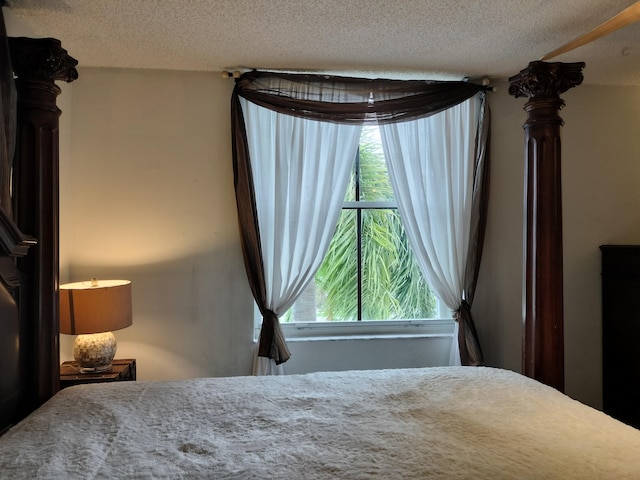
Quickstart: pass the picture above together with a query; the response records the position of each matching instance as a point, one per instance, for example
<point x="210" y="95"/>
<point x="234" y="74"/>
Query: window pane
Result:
<point x="379" y="273"/>
<point x="392" y="286"/>
<point x="337" y="277"/>
<point x="373" y="178"/>
<point x="369" y="179"/>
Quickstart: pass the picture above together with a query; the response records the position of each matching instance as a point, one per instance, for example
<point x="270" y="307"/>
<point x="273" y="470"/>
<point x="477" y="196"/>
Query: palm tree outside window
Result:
<point x="369" y="271"/>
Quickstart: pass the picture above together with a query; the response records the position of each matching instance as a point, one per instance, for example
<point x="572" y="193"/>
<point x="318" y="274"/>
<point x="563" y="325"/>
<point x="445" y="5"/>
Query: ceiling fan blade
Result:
<point x="627" y="16"/>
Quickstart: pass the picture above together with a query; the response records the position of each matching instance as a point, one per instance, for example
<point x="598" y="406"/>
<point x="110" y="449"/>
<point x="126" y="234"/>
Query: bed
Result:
<point x="448" y="422"/>
<point x="441" y="422"/>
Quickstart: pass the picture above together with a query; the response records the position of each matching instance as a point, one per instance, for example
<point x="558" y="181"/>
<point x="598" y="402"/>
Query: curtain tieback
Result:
<point x="463" y="309"/>
<point x="269" y="319"/>
<point x="267" y="334"/>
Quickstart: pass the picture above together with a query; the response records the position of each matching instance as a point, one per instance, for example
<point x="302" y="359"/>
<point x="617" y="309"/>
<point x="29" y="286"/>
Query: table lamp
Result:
<point x="92" y="310"/>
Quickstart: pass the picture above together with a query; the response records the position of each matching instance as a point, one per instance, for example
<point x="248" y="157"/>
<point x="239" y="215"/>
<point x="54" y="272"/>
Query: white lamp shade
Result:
<point x="95" y="306"/>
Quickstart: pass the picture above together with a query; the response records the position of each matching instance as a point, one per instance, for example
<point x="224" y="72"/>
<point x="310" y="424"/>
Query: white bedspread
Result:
<point x="436" y="423"/>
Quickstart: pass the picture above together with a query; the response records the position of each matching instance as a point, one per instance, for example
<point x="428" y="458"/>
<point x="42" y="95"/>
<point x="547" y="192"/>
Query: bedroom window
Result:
<point x="369" y="272"/>
<point x="295" y="139"/>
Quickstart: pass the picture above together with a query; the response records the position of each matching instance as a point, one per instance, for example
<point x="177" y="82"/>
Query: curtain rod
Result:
<point x="236" y="72"/>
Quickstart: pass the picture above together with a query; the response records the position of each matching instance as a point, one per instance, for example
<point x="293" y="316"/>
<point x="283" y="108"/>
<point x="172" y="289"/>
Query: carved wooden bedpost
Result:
<point x="37" y="64"/>
<point x="543" y="343"/>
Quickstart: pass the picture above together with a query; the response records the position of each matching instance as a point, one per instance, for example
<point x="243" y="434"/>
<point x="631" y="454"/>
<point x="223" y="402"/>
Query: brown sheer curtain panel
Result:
<point x="470" y="351"/>
<point x="324" y="98"/>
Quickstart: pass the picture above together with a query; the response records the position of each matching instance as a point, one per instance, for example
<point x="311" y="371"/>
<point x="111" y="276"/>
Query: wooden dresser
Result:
<point x="621" y="332"/>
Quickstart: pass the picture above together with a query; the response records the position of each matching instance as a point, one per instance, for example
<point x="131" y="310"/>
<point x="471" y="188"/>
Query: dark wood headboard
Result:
<point x="29" y="264"/>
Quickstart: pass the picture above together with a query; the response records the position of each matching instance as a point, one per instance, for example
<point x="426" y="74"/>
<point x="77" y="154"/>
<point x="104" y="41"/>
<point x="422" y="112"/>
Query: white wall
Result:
<point x="64" y="104"/>
<point x="150" y="197"/>
<point x="147" y="195"/>
<point x="601" y="206"/>
<point x="366" y="353"/>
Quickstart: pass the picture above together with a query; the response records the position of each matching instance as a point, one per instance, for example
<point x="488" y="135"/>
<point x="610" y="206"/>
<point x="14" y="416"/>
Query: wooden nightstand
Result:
<point x="122" y="371"/>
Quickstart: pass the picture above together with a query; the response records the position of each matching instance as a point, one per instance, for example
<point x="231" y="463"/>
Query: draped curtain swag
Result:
<point x="351" y="101"/>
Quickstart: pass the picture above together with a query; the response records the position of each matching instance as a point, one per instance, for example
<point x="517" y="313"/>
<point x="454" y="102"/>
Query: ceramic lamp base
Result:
<point x="94" y="352"/>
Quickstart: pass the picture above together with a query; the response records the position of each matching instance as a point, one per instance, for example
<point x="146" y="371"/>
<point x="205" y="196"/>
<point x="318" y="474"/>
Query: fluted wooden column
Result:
<point x="543" y="342"/>
<point x="37" y="64"/>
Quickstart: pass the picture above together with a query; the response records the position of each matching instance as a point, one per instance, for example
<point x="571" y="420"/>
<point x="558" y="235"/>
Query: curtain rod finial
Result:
<point x="228" y="74"/>
<point x="486" y="81"/>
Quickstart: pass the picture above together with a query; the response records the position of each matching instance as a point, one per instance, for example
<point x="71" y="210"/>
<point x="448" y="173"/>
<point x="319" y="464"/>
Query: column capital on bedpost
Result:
<point x="42" y="59"/>
<point x="543" y="79"/>
<point x="543" y="338"/>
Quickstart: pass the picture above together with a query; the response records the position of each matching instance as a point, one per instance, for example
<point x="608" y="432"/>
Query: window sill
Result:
<point x="333" y="338"/>
<point x="368" y="330"/>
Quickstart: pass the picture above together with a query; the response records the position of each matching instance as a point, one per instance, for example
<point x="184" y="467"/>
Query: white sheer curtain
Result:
<point x="431" y="164"/>
<point x="301" y="168"/>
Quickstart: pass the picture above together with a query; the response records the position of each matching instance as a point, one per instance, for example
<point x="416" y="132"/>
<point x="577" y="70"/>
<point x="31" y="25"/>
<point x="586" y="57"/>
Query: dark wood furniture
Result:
<point x="543" y="339"/>
<point x="37" y="65"/>
<point x="123" y="370"/>
<point x="29" y="183"/>
<point x="621" y="332"/>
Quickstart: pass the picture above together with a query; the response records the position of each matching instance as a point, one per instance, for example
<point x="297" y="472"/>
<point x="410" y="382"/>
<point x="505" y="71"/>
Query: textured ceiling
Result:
<point x="383" y="38"/>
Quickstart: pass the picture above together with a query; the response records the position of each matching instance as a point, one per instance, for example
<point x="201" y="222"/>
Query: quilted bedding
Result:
<point x="433" y="423"/>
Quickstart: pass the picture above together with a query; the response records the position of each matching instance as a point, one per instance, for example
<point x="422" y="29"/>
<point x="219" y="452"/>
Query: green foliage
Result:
<point x="392" y="285"/>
